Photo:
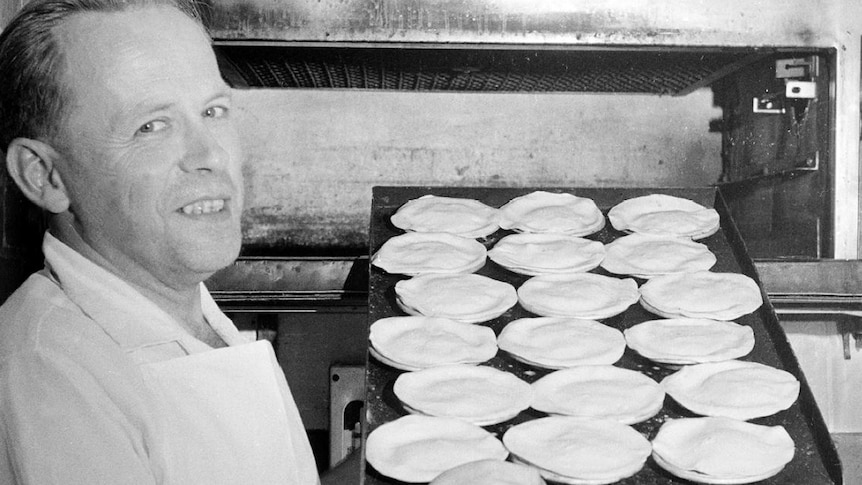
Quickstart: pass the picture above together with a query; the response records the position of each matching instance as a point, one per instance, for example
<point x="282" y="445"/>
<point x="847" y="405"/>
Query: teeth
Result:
<point x="204" y="207"/>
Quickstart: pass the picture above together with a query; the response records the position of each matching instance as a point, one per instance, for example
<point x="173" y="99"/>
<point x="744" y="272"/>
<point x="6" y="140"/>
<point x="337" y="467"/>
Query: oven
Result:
<point x="334" y="97"/>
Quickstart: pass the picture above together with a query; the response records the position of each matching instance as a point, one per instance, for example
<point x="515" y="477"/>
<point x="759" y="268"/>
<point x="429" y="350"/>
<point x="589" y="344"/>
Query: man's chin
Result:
<point x="208" y="260"/>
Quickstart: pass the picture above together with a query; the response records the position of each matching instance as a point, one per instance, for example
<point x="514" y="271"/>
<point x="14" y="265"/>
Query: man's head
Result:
<point x="31" y="61"/>
<point x="118" y="122"/>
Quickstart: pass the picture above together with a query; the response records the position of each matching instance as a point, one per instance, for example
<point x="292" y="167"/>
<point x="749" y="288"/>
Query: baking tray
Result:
<point x="815" y="461"/>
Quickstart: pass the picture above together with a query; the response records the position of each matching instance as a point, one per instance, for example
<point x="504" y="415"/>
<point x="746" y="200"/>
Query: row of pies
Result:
<point x="416" y="342"/>
<point x="643" y="256"/>
<point x="584" y="382"/>
<point x="473" y="298"/>
<point x="557" y="213"/>
<point x="573" y="450"/>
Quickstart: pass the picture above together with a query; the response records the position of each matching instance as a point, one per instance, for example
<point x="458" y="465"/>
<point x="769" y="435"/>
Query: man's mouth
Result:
<point x="208" y="206"/>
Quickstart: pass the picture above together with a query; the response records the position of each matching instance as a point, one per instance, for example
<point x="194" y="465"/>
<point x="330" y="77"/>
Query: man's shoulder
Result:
<point x="39" y="315"/>
<point x="45" y="336"/>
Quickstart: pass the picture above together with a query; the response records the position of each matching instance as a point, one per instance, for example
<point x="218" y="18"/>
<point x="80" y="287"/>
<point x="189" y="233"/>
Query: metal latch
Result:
<point x="768" y="104"/>
<point x="800" y="89"/>
<point x="796" y="68"/>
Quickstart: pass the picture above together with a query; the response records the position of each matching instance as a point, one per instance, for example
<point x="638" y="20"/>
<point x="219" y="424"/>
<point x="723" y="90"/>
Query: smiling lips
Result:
<point x="204" y="207"/>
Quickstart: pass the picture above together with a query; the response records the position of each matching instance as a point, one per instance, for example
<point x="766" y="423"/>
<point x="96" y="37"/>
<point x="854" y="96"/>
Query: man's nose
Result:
<point x="203" y="150"/>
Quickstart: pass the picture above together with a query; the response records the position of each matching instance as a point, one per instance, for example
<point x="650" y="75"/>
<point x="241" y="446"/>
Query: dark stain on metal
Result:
<point x="806" y="35"/>
<point x="273" y="232"/>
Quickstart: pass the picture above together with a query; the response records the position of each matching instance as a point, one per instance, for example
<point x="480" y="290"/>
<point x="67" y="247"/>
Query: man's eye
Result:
<point x="152" y="126"/>
<point x="215" y="112"/>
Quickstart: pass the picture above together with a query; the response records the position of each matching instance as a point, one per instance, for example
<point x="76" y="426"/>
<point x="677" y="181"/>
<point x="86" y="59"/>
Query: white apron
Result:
<point x="230" y="419"/>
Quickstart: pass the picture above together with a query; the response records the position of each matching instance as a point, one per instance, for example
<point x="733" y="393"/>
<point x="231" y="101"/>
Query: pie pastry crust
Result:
<point x="415" y="253"/>
<point x="664" y="215"/>
<point x="490" y="472"/>
<point x="721" y="450"/>
<point x="702" y="294"/>
<point x="477" y="394"/>
<point x="599" y="391"/>
<point x="432" y="213"/>
<point x="646" y="256"/>
<point x="578" y="295"/>
<point x="732" y="389"/>
<point x="468" y="298"/>
<point x="560" y="342"/>
<point x="535" y="254"/>
<point x="415" y="448"/>
<point x="549" y="212"/>
<point x="690" y="340"/>
<point x="581" y="450"/>
<point x="417" y="342"/>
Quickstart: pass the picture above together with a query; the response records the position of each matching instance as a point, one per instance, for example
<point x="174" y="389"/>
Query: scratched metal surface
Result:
<point x="622" y="22"/>
<point x="815" y="461"/>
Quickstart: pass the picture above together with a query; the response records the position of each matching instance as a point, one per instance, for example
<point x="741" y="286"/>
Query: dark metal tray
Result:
<point x="815" y="460"/>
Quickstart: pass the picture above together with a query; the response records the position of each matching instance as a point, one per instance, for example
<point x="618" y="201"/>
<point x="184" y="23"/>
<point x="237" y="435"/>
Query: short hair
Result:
<point x="33" y="98"/>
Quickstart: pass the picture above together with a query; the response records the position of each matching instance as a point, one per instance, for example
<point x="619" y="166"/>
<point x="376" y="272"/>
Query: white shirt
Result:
<point x="78" y="401"/>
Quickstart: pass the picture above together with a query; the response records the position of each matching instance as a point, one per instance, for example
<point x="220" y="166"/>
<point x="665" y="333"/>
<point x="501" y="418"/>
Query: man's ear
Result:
<point x="31" y="164"/>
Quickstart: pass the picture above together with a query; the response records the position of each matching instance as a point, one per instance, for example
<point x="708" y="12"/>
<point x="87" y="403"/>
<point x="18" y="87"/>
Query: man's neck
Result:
<point x="183" y="303"/>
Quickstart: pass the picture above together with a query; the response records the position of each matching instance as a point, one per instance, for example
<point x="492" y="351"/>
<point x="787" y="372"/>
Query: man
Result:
<point x="116" y="366"/>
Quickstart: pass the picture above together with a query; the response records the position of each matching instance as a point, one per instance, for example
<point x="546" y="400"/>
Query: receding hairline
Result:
<point x="129" y="8"/>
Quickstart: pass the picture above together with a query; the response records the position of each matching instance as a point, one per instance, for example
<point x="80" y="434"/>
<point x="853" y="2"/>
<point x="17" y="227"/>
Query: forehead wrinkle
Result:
<point x="133" y="54"/>
<point x="141" y="63"/>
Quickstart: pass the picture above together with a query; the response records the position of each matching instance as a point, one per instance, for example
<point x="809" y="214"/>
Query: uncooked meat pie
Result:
<point x="732" y="389"/>
<point x="477" y="394"/>
<point x="417" y="342"/>
<point x="415" y="253"/>
<point x="664" y="215"/>
<point x="431" y="213"/>
<point x="469" y="298"/>
<point x="646" y="256"/>
<point x="416" y="448"/>
<point x="548" y="212"/>
<point x="559" y="342"/>
<point x="599" y="391"/>
<point x="578" y="450"/>
<point x="721" y="450"/>
<point x="690" y="340"/>
<point x="578" y="295"/>
<point x="490" y="472"/>
<point x="703" y="294"/>
<point x="535" y="254"/>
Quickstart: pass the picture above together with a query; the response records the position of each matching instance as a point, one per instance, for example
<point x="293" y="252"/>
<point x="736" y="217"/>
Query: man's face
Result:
<point x="151" y="159"/>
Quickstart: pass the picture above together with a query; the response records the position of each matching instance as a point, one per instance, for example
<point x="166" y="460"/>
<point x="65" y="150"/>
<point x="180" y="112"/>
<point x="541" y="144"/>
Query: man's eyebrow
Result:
<point x="224" y="92"/>
<point x="143" y="107"/>
<point x="132" y="113"/>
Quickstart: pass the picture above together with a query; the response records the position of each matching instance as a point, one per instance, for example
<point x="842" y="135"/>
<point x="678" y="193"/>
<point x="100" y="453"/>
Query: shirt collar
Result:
<point x="129" y="318"/>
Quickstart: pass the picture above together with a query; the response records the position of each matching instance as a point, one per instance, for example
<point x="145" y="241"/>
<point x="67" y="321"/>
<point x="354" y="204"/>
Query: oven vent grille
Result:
<point x="460" y="69"/>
